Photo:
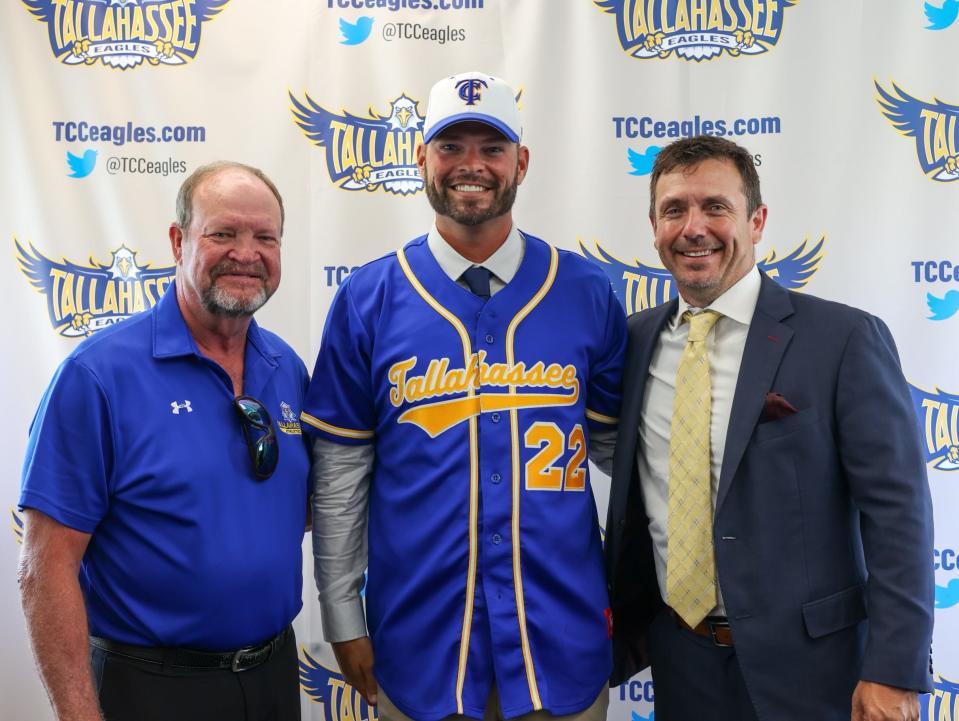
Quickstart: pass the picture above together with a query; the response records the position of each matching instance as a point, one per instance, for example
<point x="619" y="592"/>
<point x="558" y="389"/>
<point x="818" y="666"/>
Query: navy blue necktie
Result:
<point x="477" y="278"/>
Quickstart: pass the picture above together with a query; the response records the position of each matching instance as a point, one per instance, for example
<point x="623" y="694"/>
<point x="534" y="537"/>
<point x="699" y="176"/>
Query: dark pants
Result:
<point x="693" y="678"/>
<point x="134" y="690"/>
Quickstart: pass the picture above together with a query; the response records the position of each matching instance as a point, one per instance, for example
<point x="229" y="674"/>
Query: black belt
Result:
<point x="239" y="660"/>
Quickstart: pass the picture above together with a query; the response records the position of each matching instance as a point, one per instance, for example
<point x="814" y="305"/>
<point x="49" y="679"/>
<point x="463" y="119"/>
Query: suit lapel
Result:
<point x="766" y="343"/>
<point x="644" y="333"/>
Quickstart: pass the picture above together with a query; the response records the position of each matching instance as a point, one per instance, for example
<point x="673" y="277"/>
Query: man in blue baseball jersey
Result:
<point x="465" y="379"/>
<point x="164" y="507"/>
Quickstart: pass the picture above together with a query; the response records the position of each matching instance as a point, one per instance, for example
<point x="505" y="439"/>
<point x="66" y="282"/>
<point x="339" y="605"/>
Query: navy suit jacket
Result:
<point x="823" y="520"/>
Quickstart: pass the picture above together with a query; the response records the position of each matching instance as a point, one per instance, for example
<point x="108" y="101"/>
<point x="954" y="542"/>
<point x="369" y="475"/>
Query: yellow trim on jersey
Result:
<point x="474" y="478"/>
<point x="335" y="430"/>
<point x="600" y="418"/>
<point x="435" y="418"/>
<point x="514" y="423"/>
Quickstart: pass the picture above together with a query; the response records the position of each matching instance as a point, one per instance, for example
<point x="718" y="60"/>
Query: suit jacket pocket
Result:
<point x="775" y="429"/>
<point x="835" y="612"/>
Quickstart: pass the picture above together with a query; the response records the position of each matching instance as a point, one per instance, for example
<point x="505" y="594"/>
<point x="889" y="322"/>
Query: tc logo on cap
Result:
<point x="470" y="90"/>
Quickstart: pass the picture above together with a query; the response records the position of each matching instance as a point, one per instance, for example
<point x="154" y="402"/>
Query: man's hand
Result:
<point x="355" y="659"/>
<point x="878" y="702"/>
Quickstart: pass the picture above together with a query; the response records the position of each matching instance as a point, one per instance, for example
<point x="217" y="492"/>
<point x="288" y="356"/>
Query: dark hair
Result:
<point x="690" y="152"/>
<point x="184" y="197"/>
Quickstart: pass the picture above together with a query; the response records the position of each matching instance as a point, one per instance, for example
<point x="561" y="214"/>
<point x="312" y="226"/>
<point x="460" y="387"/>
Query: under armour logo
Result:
<point x="177" y="407"/>
<point x="470" y="90"/>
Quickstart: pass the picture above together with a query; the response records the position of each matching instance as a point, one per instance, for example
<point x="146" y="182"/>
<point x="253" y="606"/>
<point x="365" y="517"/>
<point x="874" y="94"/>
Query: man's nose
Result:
<point x="245" y="248"/>
<point x="695" y="226"/>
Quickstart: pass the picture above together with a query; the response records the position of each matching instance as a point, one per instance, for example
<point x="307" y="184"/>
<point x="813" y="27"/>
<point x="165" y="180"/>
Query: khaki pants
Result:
<point x="597" y="712"/>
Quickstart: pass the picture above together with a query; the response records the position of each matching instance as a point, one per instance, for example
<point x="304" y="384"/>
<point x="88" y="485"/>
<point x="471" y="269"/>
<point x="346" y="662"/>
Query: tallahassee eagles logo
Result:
<point x="932" y="123"/>
<point x="341" y="702"/>
<point x="639" y="286"/>
<point x="124" y="33"/>
<point x="366" y="153"/>
<point x="82" y="299"/>
<point x="696" y="29"/>
<point x="942" y="704"/>
<point x="938" y="414"/>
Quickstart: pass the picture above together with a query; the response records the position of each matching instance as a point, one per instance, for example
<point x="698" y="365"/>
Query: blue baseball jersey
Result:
<point x="485" y="560"/>
<point x="136" y="442"/>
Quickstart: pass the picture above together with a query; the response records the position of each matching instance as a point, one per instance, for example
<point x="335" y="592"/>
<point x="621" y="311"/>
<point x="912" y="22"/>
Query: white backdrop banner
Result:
<point x="850" y="110"/>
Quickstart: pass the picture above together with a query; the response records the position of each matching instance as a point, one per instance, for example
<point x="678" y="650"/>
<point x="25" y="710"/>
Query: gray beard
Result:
<point x="219" y="302"/>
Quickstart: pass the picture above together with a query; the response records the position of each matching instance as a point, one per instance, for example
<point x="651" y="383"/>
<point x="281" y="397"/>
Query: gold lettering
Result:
<point x="405" y="148"/>
<point x="123" y="23"/>
<point x="190" y="19"/>
<point x="397" y="376"/>
<point x="92" y="306"/>
<point x="79" y="294"/>
<point x="337" y="128"/>
<point x="125" y="296"/>
<point x="138" y="303"/>
<point x="682" y="15"/>
<point x="110" y="298"/>
<point x="108" y="31"/>
<point x="151" y="18"/>
<point x="389" y="150"/>
<point x="90" y="31"/>
<point x="136" y="26"/>
<point x="57" y="278"/>
<point x="165" y="22"/>
<point x="929" y="405"/>
<point x="67" y="301"/>
<point x="730" y="16"/>
<point x="175" y="9"/>
<point x="664" y="25"/>
<point x="347" y="156"/>
<point x="360" y="159"/>
<point x="771" y="7"/>
<point x="757" y="15"/>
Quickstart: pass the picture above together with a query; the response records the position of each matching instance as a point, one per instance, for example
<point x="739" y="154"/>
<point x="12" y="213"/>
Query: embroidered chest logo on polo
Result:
<point x="177" y="407"/>
<point x="289" y="422"/>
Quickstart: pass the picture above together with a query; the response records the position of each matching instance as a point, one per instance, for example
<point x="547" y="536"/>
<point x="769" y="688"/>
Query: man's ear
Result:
<point x="176" y="242"/>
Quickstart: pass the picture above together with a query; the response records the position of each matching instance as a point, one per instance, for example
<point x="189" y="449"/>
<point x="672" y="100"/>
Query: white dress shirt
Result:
<point x="503" y="264"/>
<point x="724" y="347"/>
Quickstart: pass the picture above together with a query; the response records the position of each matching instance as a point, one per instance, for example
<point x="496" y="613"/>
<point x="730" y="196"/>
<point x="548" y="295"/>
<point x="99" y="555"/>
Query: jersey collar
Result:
<point x="172" y="338"/>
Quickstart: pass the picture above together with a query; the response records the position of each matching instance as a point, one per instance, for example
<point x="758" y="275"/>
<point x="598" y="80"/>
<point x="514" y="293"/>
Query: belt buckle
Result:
<point x="713" y="625"/>
<point x="256" y="654"/>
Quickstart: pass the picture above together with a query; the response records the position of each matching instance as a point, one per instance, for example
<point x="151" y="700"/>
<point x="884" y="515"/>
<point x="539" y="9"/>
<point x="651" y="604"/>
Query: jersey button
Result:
<point x="489" y="338"/>
<point x="497" y="539"/>
<point x="496" y="478"/>
<point x="494" y="417"/>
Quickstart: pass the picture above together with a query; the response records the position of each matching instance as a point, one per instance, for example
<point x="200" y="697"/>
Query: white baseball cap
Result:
<point x="472" y="96"/>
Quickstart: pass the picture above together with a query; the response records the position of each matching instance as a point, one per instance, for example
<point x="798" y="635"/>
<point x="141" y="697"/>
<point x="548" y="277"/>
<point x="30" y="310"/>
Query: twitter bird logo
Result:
<point x="355" y="33"/>
<point x="945" y="307"/>
<point x="81" y="167"/>
<point x="637" y="717"/>
<point x="643" y="162"/>
<point x="947" y="596"/>
<point x="942" y="17"/>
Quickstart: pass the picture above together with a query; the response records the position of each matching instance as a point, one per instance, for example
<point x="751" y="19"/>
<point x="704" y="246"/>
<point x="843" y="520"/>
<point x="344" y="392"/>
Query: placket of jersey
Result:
<point x="474" y="478"/>
<point x="518" y="481"/>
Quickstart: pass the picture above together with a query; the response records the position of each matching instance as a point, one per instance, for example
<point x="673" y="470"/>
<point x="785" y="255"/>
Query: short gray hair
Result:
<point x="184" y="197"/>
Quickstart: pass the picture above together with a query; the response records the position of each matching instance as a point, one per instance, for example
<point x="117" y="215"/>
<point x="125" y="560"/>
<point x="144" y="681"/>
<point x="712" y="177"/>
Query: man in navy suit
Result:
<point x="819" y="552"/>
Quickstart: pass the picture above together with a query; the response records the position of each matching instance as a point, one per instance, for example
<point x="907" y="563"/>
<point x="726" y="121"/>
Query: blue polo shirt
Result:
<point x="137" y="443"/>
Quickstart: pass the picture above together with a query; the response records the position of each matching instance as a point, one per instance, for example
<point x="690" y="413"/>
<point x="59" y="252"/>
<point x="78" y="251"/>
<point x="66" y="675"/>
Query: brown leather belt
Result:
<point x="715" y="628"/>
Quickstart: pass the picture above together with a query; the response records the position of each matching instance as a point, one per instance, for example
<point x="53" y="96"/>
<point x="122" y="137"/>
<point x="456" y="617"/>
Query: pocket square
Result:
<point x="775" y="408"/>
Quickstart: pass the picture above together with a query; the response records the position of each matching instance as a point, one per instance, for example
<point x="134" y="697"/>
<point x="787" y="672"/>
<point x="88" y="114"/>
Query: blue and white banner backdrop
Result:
<point x="848" y="109"/>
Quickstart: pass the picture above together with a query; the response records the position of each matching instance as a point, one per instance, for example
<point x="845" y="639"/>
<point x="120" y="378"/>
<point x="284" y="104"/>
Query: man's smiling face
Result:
<point x="703" y="230"/>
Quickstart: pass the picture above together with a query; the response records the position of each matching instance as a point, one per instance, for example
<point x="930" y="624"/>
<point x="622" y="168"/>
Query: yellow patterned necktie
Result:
<point x="690" y="565"/>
